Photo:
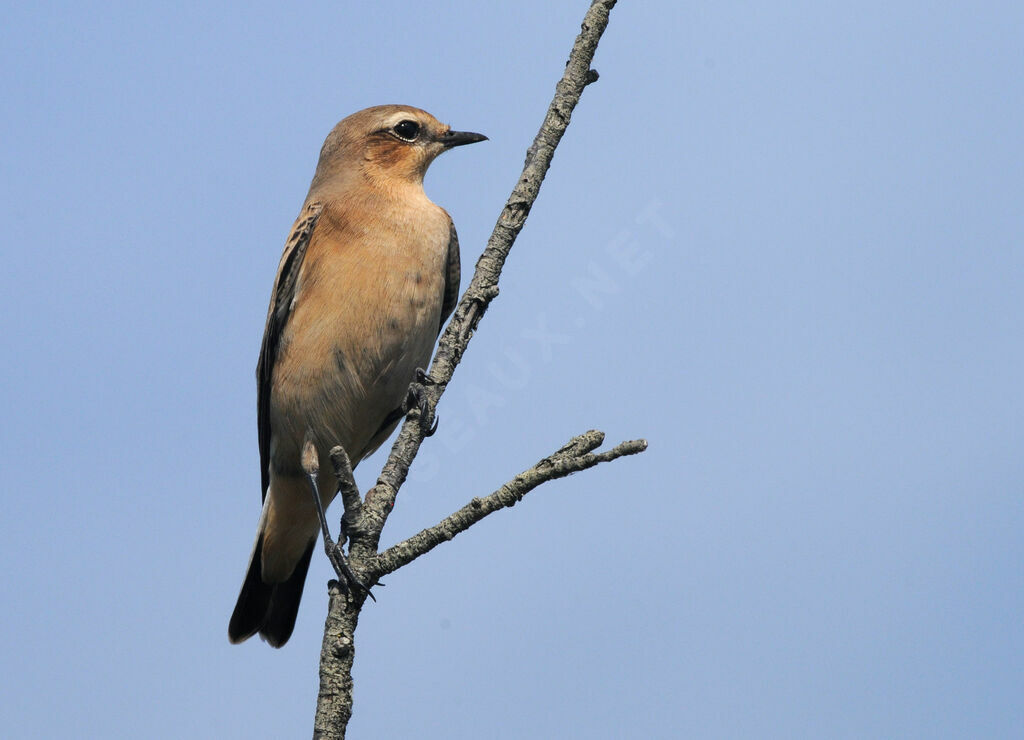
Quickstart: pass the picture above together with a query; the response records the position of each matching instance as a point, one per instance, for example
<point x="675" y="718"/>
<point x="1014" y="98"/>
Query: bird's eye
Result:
<point x="407" y="130"/>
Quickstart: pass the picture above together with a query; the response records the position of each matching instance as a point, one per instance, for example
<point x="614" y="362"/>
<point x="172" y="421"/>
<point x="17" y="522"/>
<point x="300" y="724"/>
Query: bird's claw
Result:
<point x="351" y="580"/>
<point x="417" y="400"/>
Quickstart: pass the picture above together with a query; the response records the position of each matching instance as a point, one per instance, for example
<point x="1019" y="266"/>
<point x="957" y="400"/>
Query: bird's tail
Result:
<point x="268" y="608"/>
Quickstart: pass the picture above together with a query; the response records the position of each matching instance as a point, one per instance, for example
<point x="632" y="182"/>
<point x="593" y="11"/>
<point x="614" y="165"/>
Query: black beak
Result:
<point x="458" y="138"/>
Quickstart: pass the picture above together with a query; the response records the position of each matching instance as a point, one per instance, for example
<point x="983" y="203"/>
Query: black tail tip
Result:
<point x="268" y="608"/>
<point x="253" y="600"/>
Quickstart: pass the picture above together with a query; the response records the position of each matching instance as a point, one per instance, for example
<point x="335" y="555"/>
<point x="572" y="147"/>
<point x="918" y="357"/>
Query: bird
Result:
<point x="369" y="275"/>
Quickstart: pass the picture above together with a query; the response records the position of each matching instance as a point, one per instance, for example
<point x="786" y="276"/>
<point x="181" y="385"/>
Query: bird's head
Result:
<point x="388" y="145"/>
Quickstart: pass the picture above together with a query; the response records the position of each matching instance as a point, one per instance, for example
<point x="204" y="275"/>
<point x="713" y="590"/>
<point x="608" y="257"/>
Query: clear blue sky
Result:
<point x="817" y="324"/>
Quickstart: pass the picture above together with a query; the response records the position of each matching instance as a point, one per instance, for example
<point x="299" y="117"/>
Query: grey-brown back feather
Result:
<point x="277" y="317"/>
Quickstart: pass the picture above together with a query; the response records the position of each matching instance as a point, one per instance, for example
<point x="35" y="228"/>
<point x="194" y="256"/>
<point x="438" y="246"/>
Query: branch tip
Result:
<point x="339" y="459"/>
<point x="580" y="445"/>
<point x="572" y="458"/>
<point x="365" y="520"/>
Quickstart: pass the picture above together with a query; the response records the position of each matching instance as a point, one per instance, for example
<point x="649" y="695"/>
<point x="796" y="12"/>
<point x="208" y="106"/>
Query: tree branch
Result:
<point x="570" y="459"/>
<point x="352" y="524"/>
<point x="483" y="287"/>
<point x="334" y="700"/>
<point x="364" y="522"/>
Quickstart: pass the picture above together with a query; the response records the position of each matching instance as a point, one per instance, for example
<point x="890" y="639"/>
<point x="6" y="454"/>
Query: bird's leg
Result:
<point x="335" y="554"/>
<point x="417" y="399"/>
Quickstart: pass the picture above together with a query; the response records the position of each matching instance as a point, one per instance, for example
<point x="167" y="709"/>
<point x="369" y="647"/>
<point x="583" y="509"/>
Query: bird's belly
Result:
<point x="343" y="371"/>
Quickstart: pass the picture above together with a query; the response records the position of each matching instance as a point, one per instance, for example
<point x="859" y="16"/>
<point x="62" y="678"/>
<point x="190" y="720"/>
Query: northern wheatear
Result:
<point x="369" y="274"/>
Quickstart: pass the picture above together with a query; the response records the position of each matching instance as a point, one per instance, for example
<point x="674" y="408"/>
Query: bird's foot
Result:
<point x="349" y="579"/>
<point x="416" y="400"/>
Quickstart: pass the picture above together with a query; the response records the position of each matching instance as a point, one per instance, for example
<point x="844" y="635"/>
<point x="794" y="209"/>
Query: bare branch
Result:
<point x="334" y="700"/>
<point x="352" y="524"/>
<point x="346" y="481"/>
<point x="483" y="287"/>
<point x="365" y="522"/>
<point x="570" y="459"/>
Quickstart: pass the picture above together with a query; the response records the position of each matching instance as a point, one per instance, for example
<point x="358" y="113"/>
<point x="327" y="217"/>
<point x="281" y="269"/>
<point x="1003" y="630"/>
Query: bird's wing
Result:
<point x="277" y="316"/>
<point x="452" y="275"/>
